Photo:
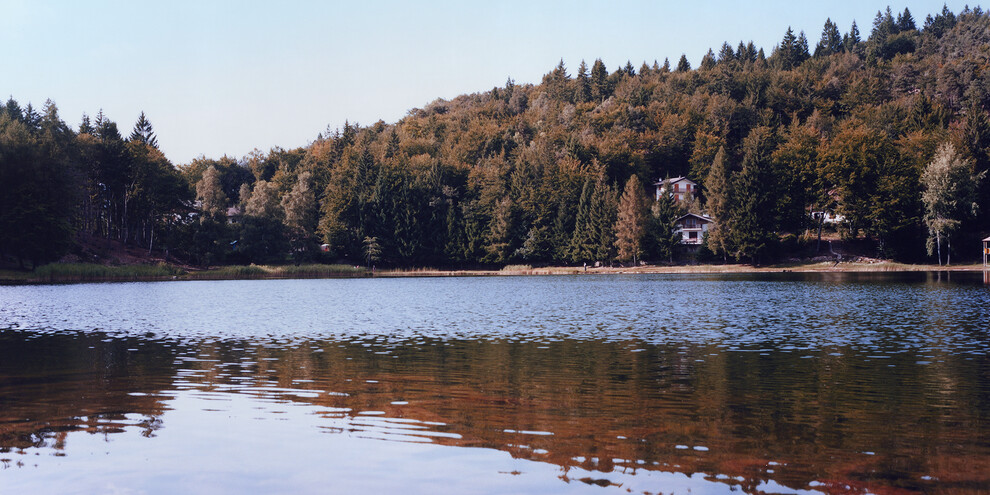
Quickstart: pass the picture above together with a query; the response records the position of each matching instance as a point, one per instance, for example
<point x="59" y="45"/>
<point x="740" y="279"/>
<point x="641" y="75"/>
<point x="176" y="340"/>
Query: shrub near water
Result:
<point x="285" y="271"/>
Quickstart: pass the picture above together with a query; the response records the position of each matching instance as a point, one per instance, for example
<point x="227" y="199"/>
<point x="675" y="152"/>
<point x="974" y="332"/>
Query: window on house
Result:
<point x="692" y="235"/>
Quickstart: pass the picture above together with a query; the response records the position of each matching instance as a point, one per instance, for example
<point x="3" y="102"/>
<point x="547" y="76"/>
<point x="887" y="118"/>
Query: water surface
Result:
<point x="783" y="383"/>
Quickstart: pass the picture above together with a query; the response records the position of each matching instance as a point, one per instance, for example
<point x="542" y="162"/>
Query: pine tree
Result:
<point x="801" y="53"/>
<point x="753" y="215"/>
<point x="662" y="225"/>
<point x="600" y="90"/>
<point x="628" y="69"/>
<point x="719" y="196"/>
<point x="604" y="205"/>
<point x="905" y="22"/>
<point x="666" y="66"/>
<point x="631" y="224"/>
<point x="726" y="54"/>
<point x="583" y="91"/>
<point x="831" y="41"/>
<point x="581" y="247"/>
<point x="708" y="61"/>
<point x="144" y="133"/>
<point x="786" y="54"/>
<point x="644" y="70"/>
<point x="851" y="39"/>
<point x="85" y="127"/>
<point x="683" y="65"/>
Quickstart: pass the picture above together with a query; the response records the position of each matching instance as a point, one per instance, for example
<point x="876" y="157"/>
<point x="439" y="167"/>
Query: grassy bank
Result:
<point x="91" y="272"/>
<point x="239" y="272"/>
<point x="87" y="272"/>
<point x="83" y="272"/>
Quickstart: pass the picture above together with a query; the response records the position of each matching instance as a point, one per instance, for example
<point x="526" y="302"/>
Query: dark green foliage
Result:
<point x="144" y="133"/>
<point x="683" y="65"/>
<point x="39" y="187"/>
<point x="831" y="40"/>
<point x="751" y="223"/>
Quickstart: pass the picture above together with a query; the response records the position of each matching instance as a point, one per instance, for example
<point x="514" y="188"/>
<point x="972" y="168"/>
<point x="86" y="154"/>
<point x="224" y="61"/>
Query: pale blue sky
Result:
<point x="225" y="77"/>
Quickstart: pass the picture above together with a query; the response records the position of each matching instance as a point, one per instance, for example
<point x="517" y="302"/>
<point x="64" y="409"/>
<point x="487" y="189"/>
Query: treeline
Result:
<point x="891" y="132"/>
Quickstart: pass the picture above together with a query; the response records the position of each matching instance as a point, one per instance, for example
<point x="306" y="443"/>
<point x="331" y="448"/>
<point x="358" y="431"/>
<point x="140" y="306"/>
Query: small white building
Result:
<point x="692" y="228"/>
<point x="827" y="217"/>
<point x="681" y="188"/>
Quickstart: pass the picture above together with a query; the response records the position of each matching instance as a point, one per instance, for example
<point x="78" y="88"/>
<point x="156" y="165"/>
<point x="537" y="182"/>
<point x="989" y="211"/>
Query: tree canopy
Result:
<point x="532" y="172"/>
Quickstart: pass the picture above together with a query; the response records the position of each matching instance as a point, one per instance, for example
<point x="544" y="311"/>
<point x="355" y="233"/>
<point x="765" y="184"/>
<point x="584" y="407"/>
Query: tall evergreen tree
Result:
<point x="905" y="22"/>
<point x="632" y="221"/>
<point x="583" y="91"/>
<point x="683" y="65"/>
<point x="851" y="39"/>
<point x="752" y="219"/>
<point x="600" y="89"/>
<point x="719" y="195"/>
<point x="831" y="40"/>
<point x="708" y="61"/>
<point x="144" y="133"/>
<point x="582" y="245"/>
<point x="662" y="226"/>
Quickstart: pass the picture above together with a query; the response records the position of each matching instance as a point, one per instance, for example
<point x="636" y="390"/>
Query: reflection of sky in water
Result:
<point x="268" y="446"/>
<point x="495" y="385"/>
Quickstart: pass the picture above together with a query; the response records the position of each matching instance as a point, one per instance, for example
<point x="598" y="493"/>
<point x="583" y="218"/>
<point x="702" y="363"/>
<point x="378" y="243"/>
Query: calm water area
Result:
<point x="755" y="383"/>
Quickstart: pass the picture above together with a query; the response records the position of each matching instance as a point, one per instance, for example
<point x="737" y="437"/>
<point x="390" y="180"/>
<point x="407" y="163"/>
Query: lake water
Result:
<point x="773" y="383"/>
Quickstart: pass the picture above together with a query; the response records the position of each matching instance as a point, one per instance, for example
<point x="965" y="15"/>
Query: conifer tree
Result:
<point x="583" y="91"/>
<point x="905" y="22"/>
<point x="719" y="196"/>
<point x="726" y="54"/>
<point x="662" y="225"/>
<point x="753" y="215"/>
<point x="581" y="247"/>
<point x="683" y="65"/>
<point x="631" y="224"/>
<point x="604" y="206"/>
<point x="851" y="39"/>
<point x="628" y="69"/>
<point x="600" y="90"/>
<point x="831" y="41"/>
<point x="707" y="61"/>
<point x="644" y="70"/>
<point x="144" y="133"/>
<point x="801" y="54"/>
<point x="666" y="66"/>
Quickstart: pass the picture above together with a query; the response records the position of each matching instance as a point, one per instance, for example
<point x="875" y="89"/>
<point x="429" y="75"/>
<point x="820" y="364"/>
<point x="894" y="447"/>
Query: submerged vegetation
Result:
<point x="558" y="172"/>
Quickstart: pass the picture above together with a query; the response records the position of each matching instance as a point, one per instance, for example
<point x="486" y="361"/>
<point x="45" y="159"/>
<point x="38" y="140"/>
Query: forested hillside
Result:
<point x="888" y="128"/>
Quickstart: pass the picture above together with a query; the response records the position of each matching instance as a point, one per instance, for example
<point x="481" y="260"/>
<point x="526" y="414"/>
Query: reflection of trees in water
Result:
<point x="786" y="414"/>
<point x="53" y="384"/>
<point x="802" y="415"/>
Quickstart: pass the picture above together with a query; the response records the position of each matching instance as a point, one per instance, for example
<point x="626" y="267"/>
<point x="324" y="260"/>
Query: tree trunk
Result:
<point x="938" y="246"/>
<point x="948" y="250"/>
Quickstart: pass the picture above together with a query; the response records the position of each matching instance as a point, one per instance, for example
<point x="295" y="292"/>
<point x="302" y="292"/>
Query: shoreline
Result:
<point x="95" y="273"/>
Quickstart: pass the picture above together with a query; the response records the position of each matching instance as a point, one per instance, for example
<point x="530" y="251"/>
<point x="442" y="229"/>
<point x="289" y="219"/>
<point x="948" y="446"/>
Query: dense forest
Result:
<point x="889" y="130"/>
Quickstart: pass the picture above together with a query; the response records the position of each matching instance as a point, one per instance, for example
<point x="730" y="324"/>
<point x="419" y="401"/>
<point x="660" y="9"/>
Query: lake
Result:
<point x="773" y="383"/>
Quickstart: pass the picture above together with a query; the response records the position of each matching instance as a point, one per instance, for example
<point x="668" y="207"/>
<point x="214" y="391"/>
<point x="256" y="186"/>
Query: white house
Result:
<point x="681" y="188"/>
<point x="692" y="228"/>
